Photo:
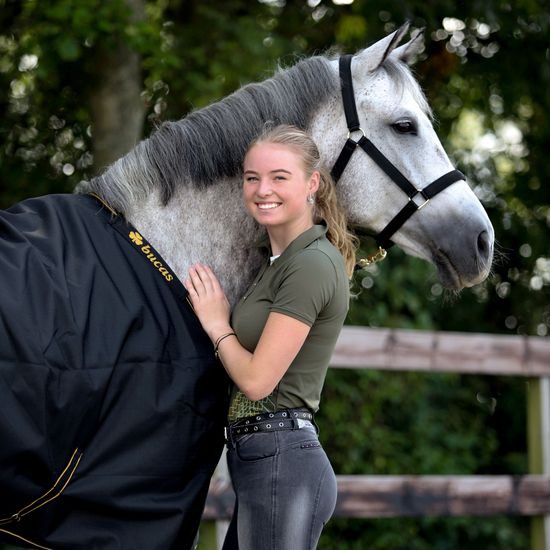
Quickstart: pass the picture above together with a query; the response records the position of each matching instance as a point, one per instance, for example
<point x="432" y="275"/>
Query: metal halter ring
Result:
<point x="356" y="130"/>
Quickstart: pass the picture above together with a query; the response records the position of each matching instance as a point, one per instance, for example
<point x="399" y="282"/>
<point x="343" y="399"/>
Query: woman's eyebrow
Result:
<point x="271" y="171"/>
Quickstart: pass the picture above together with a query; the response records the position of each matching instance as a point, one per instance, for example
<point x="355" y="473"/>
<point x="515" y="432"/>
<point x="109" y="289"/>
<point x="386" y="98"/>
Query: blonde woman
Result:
<point x="277" y="343"/>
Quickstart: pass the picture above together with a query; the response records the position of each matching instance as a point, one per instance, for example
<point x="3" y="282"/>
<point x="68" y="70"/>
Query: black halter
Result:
<point x="423" y="196"/>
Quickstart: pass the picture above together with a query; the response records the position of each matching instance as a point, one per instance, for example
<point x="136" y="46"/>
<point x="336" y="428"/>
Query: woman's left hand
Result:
<point x="208" y="300"/>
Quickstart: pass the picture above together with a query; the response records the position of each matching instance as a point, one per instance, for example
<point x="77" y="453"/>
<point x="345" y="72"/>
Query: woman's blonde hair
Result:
<point x="326" y="206"/>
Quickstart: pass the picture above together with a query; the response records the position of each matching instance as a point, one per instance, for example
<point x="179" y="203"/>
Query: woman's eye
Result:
<point x="405" y="127"/>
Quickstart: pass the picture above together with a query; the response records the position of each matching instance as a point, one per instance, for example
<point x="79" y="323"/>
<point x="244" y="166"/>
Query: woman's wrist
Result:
<point x="220" y="339"/>
<point x="215" y="333"/>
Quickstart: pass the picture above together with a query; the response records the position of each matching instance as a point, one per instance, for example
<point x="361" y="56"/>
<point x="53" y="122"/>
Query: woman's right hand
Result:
<point x="208" y="300"/>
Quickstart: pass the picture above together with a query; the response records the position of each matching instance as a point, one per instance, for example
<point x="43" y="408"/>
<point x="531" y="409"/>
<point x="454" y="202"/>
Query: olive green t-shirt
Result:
<point x="308" y="282"/>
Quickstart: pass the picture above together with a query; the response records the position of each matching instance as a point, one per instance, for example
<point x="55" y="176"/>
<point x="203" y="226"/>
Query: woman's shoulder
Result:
<point x="320" y="264"/>
<point x="323" y="251"/>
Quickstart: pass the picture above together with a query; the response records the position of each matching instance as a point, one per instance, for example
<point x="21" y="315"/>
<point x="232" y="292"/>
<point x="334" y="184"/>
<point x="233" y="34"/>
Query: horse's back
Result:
<point x="110" y="386"/>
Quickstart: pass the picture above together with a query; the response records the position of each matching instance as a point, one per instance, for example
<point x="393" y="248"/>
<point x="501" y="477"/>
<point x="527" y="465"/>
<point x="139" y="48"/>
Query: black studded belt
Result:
<point x="287" y="419"/>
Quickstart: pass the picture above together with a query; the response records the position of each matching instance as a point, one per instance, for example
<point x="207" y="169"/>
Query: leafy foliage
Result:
<point x="486" y="72"/>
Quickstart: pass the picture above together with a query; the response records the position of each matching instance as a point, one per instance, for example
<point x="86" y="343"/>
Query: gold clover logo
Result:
<point x="136" y="238"/>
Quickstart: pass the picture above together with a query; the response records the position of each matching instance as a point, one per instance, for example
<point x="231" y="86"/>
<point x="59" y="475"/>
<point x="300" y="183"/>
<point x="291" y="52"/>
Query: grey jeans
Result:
<point x="285" y="487"/>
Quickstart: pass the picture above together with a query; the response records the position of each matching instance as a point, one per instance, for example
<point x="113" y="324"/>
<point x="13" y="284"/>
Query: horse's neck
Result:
<point x="208" y="226"/>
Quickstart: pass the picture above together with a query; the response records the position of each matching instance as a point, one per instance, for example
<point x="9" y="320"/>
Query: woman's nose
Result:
<point x="264" y="187"/>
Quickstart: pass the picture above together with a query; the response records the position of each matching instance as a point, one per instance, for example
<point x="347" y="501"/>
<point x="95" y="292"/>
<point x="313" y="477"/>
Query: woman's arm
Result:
<point x="255" y="374"/>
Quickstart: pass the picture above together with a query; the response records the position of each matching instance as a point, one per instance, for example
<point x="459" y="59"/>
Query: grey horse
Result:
<point x="113" y="402"/>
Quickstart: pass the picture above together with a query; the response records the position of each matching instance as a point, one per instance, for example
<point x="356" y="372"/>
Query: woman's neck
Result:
<point x="281" y="237"/>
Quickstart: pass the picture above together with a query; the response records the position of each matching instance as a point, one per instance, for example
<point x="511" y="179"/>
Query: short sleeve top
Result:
<point x="308" y="282"/>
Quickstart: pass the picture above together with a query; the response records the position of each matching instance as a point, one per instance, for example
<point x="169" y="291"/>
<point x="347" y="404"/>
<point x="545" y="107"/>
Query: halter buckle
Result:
<point x="426" y="199"/>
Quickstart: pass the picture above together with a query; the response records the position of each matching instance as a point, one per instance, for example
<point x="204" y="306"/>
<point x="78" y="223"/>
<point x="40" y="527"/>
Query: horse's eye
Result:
<point x="405" y="127"/>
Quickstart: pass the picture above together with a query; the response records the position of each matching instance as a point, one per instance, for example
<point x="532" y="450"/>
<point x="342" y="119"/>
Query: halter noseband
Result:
<point x="422" y="195"/>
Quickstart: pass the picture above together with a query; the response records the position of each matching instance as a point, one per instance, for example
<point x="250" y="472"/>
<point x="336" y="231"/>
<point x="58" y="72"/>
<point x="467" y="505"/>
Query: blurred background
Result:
<point x="82" y="81"/>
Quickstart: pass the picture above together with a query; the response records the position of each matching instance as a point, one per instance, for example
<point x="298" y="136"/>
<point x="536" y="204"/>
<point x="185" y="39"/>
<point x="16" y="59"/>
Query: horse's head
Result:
<point x="452" y="229"/>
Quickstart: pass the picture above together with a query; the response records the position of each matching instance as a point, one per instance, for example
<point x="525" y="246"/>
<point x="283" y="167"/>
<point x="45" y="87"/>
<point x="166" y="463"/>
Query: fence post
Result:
<point x="212" y="532"/>
<point x="538" y="445"/>
<point x="207" y="536"/>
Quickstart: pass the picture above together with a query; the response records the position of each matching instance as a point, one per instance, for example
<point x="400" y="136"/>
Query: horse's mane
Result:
<point x="209" y="144"/>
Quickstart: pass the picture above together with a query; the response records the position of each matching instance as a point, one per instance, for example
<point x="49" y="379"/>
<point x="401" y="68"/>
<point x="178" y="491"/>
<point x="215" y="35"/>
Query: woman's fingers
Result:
<point x="203" y="277"/>
<point x="213" y="280"/>
<point x="202" y="281"/>
<point x="188" y="284"/>
<point x="198" y="279"/>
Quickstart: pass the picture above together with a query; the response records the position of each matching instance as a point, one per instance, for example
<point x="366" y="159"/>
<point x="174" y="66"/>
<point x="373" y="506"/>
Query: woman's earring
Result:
<point x="310" y="199"/>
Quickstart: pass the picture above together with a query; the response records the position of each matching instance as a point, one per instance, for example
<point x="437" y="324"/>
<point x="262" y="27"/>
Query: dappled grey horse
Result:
<point x="112" y="400"/>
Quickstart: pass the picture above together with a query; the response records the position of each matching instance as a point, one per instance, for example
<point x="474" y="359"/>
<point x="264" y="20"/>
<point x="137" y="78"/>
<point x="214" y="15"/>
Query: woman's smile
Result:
<point x="267" y="205"/>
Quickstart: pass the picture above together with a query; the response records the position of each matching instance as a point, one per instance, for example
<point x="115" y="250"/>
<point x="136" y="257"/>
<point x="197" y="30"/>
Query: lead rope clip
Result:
<point x="378" y="256"/>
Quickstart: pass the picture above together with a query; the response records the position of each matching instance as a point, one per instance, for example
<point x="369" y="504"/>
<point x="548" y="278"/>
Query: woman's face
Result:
<point x="276" y="186"/>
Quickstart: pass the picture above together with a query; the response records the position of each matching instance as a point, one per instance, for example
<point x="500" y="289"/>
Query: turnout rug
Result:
<point x="112" y="403"/>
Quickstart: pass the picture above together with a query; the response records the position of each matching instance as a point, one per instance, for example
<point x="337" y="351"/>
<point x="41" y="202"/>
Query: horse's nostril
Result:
<point x="483" y="244"/>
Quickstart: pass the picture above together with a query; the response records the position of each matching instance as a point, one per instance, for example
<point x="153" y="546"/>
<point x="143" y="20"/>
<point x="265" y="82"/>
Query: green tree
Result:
<point x="486" y="72"/>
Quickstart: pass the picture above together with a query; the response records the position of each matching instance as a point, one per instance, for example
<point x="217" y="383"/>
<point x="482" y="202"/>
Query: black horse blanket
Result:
<point x="111" y="400"/>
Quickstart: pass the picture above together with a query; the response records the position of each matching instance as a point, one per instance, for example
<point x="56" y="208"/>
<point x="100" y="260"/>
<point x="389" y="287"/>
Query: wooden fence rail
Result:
<point x="406" y="496"/>
<point x="392" y="349"/>
<point x="399" y="496"/>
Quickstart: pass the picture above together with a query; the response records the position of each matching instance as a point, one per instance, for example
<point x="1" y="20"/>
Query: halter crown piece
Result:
<point x="415" y="194"/>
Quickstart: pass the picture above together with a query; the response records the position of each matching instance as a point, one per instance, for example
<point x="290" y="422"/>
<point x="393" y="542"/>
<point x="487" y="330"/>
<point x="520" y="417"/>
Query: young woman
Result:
<point x="277" y="344"/>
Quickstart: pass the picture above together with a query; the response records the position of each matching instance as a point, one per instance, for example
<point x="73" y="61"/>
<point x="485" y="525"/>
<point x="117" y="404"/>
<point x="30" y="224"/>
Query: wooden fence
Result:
<point x="401" y="496"/>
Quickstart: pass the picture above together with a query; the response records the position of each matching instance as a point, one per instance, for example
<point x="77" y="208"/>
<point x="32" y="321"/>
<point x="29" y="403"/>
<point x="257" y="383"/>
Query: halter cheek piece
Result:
<point x="417" y="197"/>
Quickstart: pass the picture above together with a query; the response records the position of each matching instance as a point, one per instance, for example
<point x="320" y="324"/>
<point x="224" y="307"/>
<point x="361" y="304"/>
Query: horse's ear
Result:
<point x="375" y="55"/>
<point x="408" y="52"/>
